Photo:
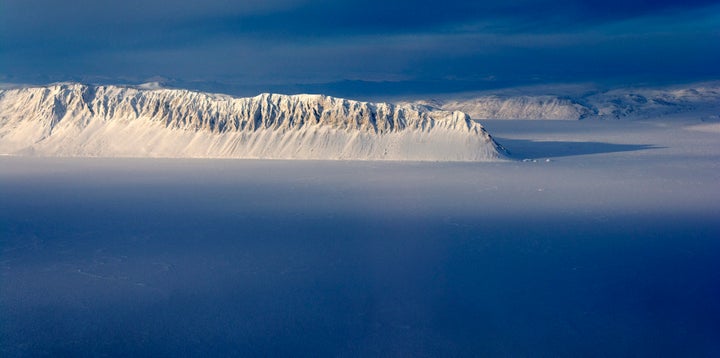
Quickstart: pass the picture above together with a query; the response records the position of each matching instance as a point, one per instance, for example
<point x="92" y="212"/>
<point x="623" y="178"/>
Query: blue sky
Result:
<point x="359" y="47"/>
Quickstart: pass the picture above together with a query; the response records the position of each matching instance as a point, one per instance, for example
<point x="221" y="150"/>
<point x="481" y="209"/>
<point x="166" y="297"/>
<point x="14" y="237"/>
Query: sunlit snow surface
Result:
<point x="610" y="248"/>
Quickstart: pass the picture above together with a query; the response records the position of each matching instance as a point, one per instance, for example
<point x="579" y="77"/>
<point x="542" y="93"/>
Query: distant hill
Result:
<point x="701" y="101"/>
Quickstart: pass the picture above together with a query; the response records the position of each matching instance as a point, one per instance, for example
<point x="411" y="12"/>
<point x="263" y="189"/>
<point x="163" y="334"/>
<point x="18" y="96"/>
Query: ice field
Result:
<point x="599" y="238"/>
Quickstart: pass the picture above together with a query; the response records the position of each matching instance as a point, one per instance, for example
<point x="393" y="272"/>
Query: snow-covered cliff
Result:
<point x="81" y="120"/>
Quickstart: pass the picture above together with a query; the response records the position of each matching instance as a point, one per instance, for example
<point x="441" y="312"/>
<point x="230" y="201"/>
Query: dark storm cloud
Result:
<point x="289" y="42"/>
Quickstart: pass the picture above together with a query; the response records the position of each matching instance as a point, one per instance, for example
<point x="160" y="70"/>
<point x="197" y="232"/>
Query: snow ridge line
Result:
<point x="80" y="120"/>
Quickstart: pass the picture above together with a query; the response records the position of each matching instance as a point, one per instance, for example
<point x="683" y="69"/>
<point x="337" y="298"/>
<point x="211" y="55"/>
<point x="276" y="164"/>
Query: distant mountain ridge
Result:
<point x="71" y="119"/>
<point x="701" y="101"/>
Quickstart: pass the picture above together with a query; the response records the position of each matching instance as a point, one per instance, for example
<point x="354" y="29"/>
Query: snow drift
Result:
<point x="110" y="121"/>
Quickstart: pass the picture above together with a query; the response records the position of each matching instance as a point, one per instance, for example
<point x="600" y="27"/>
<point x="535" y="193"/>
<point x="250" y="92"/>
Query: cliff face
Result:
<point x="80" y="120"/>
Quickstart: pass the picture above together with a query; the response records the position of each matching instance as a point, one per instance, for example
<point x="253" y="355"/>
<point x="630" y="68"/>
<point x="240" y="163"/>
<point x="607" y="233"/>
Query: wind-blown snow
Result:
<point x="701" y="101"/>
<point x="146" y="121"/>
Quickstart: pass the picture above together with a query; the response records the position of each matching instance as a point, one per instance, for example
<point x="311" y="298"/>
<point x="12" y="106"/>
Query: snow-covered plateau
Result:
<point x="71" y="119"/>
<point x="147" y="121"/>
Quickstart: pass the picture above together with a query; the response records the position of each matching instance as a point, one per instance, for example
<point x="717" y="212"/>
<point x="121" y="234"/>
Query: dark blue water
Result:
<point x="272" y="259"/>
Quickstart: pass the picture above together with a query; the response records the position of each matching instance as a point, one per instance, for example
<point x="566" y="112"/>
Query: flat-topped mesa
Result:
<point x="81" y="120"/>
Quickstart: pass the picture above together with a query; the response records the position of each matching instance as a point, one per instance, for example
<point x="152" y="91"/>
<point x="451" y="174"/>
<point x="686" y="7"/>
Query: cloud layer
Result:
<point x="411" y="46"/>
